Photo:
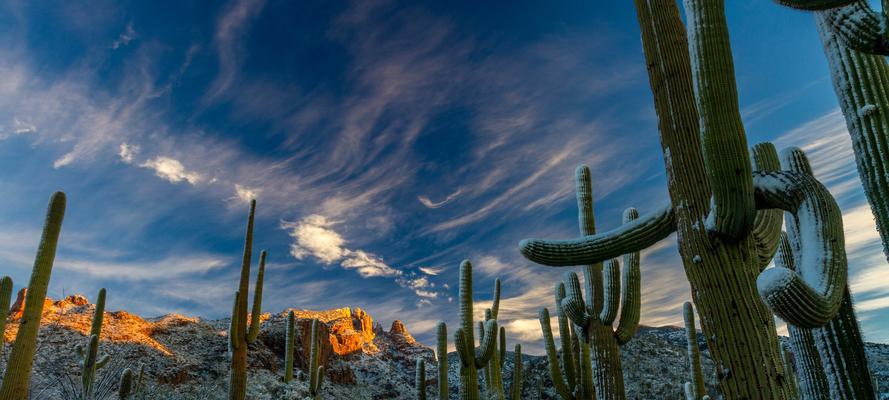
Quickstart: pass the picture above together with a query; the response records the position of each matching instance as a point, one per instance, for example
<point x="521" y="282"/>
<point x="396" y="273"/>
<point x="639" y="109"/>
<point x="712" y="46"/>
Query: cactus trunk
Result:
<point x="18" y="367"/>
<point x="289" y="347"/>
<point x="442" y="353"/>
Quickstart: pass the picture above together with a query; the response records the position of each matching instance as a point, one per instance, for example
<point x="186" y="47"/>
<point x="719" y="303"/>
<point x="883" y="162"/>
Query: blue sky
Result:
<point x="384" y="141"/>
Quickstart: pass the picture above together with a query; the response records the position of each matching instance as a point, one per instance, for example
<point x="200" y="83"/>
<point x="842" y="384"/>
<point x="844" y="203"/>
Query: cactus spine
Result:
<point x="421" y="379"/>
<point x="472" y="359"/>
<point x="442" y="353"/>
<point x="89" y="357"/>
<point x="695" y="389"/>
<point x="516" y="390"/>
<point x="240" y="336"/>
<point x="839" y="343"/>
<point x="696" y="102"/>
<point x="18" y="368"/>
<point x="289" y="346"/>
<point x="316" y="370"/>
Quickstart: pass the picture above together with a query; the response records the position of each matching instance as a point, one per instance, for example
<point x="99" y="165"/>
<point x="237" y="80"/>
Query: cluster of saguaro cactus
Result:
<point x="695" y="389"/>
<point x="289" y="346"/>
<point x="471" y="358"/>
<point x="855" y="40"/>
<point x="717" y="204"/>
<point x="89" y="356"/>
<point x="838" y="341"/>
<point x="17" y="378"/>
<point x="240" y="335"/>
<point x="316" y="370"/>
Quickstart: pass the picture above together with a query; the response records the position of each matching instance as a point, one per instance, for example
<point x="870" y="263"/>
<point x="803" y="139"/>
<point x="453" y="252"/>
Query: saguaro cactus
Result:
<point x="839" y="343"/>
<point x="441" y="352"/>
<point x="420" y="384"/>
<point x="472" y="358"/>
<point x="316" y="370"/>
<point x="18" y="368"/>
<point x="516" y="389"/>
<point x="696" y="101"/>
<point x="240" y="336"/>
<point x="289" y="346"/>
<point x="89" y="357"/>
<point x="855" y="40"/>
<point x="695" y="389"/>
<point x="5" y="297"/>
<point x="125" y="387"/>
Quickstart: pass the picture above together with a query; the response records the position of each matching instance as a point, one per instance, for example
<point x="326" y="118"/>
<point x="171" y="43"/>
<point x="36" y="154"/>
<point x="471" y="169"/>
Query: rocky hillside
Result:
<point x="186" y="358"/>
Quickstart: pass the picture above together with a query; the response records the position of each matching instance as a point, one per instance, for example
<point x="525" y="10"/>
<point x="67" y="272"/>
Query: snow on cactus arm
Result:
<point x="858" y="27"/>
<point x="723" y="141"/>
<point x="767" y="225"/>
<point x="810" y="296"/>
<point x="628" y="238"/>
<point x="813" y="4"/>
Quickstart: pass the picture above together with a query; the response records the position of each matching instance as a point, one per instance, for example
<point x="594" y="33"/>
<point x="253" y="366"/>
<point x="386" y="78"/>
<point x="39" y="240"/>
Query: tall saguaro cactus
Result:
<point x="240" y="335"/>
<point x="89" y="357"/>
<point x="696" y="103"/>
<point x="316" y="370"/>
<point x="18" y="368"/>
<point x="471" y="358"/>
<point x="838" y="342"/>
<point x="441" y="353"/>
<point x="420" y="384"/>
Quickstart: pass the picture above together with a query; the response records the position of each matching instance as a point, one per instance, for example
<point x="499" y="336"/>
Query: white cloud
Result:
<point x="431" y="270"/>
<point x="125" y="37"/>
<point x="431" y="204"/>
<point x="172" y="170"/>
<point x="314" y="236"/>
<point x="245" y="194"/>
<point x="128" y="152"/>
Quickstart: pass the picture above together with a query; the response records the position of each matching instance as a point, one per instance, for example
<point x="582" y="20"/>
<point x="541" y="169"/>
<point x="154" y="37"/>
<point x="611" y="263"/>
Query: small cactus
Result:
<point x="289" y="346"/>
<point x="240" y="335"/>
<point x="89" y="357"/>
<point x="316" y="371"/>
<point x="516" y="390"/>
<point x="421" y="379"/>
<point x="441" y="353"/>
<point x="17" y="378"/>
<point x="694" y="390"/>
<point x="125" y="387"/>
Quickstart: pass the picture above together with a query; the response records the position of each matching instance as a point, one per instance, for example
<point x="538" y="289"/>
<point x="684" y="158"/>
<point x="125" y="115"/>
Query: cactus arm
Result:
<point x="495" y="305"/>
<point x="90" y="365"/>
<point x="767" y="225"/>
<point x="461" y="346"/>
<point x="289" y="346"/>
<point x="233" y="341"/>
<point x="103" y="361"/>
<point x="5" y="296"/>
<point x="442" y="354"/>
<point x="813" y="5"/>
<point x="635" y="236"/>
<point x="256" y="311"/>
<point x="631" y="299"/>
<point x="21" y="358"/>
<point x="420" y="383"/>
<point x="858" y="27"/>
<point x="696" y="386"/>
<point x="517" y="373"/>
<point x="610" y="292"/>
<point x="552" y="357"/>
<point x="723" y="140"/>
<point x="502" y="338"/>
<point x="564" y="334"/>
<point x="488" y="344"/>
<point x="811" y="297"/>
<point x="574" y="307"/>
